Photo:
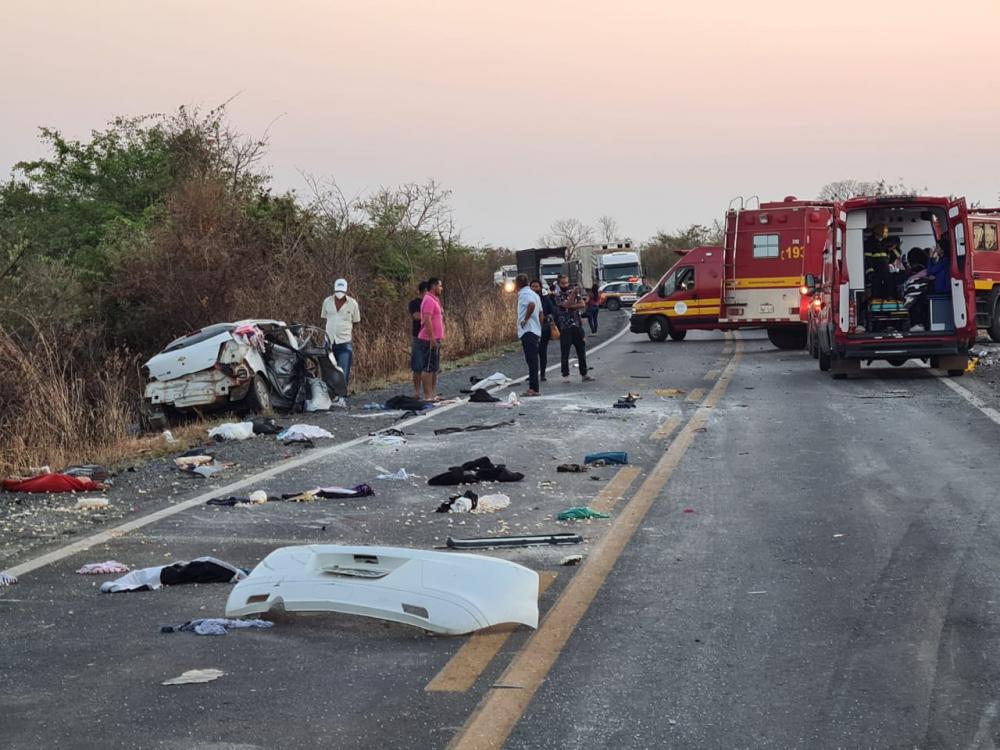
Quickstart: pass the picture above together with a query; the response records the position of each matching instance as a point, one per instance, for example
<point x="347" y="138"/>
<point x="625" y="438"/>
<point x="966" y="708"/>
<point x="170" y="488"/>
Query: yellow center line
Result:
<point x="666" y="429"/>
<point x="711" y="375"/>
<point x="615" y="489"/>
<point x="696" y="395"/>
<point x="493" y="720"/>
<point x="464" y="668"/>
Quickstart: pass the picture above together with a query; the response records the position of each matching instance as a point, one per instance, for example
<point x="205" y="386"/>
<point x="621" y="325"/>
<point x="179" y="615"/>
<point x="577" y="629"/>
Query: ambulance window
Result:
<point x="765" y="246"/>
<point x="984" y="236"/>
<point x="685" y="279"/>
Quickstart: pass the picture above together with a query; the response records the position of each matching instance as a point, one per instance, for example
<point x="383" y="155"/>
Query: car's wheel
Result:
<point x="659" y="328"/>
<point x="787" y="338"/>
<point x="824" y="361"/>
<point x="614" y="304"/>
<point x="897" y="361"/>
<point x="152" y="418"/>
<point x="994" y="328"/>
<point x="260" y="396"/>
<point x="678" y="335"/>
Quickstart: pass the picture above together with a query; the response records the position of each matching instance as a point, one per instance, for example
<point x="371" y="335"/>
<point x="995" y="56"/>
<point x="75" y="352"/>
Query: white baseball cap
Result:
<point x="340" y="285"/>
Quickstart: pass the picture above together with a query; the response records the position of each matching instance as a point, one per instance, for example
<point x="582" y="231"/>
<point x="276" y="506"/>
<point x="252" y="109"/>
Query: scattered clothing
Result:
<point x="496" y="379"/>
<point x="580" y="513"/>
<point x="215" y="626"/>
<point x="399" y="476"/>
<point x="481" y="396"/>
<point x="229" y="502"/>
<point x="570" y="469"/>
<point x="187" y="462"/>
<point x="199" y="570"/>
<point x="464" y="503"/>
<point x="7" y="579"/>
<point x="103" y="568"/>
<point x="329" y="493"/>
<point x="303" y="433"/>
<point x="407" y="403"/>
<point x="92" y="471"/>
<point x="473" y="472"/>
<point x="232" y="431"/>
<point x="195" y="676"/>
<point x="606" y="458"/>
<point x="628" y="402"/>
<point x="265" y="426"/>
<point x="319" y="396"/>
<point x="473" y="428"/>
<point x="53" y="483"/>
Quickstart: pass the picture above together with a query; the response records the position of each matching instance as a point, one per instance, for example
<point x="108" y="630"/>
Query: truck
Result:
<point x="541" y="262"/>
<point x="756" y="279"/>
<point x="854" y="324"/>
<point x="504" y="277"/>
<point x="584" y="266"/>
<point x="618" y="265"/>
<point x="986" y="268"/>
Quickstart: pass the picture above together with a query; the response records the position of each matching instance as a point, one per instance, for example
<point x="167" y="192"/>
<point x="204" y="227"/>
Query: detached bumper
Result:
<point x="638" y="323"/>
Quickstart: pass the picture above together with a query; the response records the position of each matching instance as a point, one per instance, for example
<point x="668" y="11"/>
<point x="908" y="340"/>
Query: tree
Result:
<point x="842" y="190"/>
<point x="607" y="228"/>
<point x="660" y="251"/>
<point x="568" y="233"/>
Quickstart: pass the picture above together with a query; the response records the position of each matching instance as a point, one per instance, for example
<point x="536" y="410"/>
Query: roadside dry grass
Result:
<point x="64" y="403"/>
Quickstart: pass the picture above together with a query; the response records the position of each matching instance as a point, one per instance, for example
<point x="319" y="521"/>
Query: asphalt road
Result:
<point x="791" y="562"/>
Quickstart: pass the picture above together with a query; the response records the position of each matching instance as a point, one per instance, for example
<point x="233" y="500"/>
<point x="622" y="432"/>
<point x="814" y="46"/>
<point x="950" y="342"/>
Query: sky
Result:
<point x="655" y="112"/>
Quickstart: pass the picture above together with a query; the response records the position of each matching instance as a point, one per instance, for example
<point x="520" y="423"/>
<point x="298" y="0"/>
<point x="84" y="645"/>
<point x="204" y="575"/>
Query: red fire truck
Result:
<point x="852" y="325"/>
<point x="756" y="280"/>
<point x="986" y="268"/>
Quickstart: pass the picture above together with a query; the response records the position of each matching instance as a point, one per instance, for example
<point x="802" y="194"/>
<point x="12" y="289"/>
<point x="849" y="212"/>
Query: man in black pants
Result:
<point x="571" y="328"/>
<point x="548" y="320"/>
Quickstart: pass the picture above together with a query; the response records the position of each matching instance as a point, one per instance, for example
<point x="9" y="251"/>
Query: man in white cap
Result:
<point x="341" y="313"/>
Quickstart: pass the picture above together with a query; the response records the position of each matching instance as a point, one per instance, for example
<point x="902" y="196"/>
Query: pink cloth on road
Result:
<point x="431" y="306"/>
<point x="109" y="566"/>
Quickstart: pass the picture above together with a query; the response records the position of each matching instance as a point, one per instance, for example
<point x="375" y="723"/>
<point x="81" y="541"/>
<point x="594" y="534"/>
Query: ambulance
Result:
<point x="853" y="325"/>
<point x="985" y="223"/>
<point x="757" y="279"/>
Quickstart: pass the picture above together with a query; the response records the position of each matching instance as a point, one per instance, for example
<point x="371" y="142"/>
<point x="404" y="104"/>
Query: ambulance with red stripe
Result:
<point x="757" y="279"/>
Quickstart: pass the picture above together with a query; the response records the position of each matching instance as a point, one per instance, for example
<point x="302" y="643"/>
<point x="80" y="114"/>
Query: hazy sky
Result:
<point x="532" y="110"/>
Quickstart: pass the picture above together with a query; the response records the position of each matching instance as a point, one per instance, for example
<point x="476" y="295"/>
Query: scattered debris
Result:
<point x="303" y="433"/>
<point x="199" y="570"/>
<point x="886" y="394"/>
<point x="464" y="503"/>
<point x="669" y="392"/>
<point x="511" y="402"/>
<point x="103" y="568"/>
<point x="92" y="503"/>
<point x="168" y="437"/>
<point x="628" y="402"/>
<point x="265" y="426"/>
<point x="258" y="497"/>
<point x="689" y="509"/>
<point x="474" y="427"/>
<point x="473" y="472"/>
<point x="571" y="560"/>
<point x="571" y="468"/>
<point x="92" y="471"/>
<point x="319" y="396"/>
<point x="387" y="441"/>
<point x="580" y="513"/>
<point x="232" y="431"/>
<point x="839" y="536"/>
<point x="495" y="380"/>
<point x="480" y="396"/>
<point x="399" y="476"/>
<point x="441" y="592"/>
<point x="7" y="578"/>
<point x="215" y="626"/>
<point x="606" y="458"/>
<point x="189" y="462"/>
<point x="529" y="540"/>
<point x="329" y="493"/>
<point x="407" y="403"/>
<point x="585" y="409"/>
<point x="490" y="503"/>
<point x="193" y="676"/>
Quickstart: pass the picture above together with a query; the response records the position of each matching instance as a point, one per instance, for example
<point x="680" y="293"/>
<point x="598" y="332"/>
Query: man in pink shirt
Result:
<point x="430" y="337"/>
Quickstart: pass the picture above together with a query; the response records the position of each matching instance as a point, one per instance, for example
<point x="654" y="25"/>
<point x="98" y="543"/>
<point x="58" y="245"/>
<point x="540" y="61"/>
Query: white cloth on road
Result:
<point x="233" y="431"/>
<point x="304" y="432"/>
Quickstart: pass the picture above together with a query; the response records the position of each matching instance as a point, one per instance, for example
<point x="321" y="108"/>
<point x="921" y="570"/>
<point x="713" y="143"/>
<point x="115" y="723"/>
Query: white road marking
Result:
<point x="973" y="399"/>
<point x="315" y="455"/>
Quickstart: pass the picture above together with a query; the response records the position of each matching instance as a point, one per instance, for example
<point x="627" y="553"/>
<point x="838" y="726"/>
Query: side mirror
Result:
<point x="811" y="282"/>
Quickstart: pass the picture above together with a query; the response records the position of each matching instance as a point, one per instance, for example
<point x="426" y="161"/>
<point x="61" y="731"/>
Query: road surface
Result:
<point x="791" y="561"/>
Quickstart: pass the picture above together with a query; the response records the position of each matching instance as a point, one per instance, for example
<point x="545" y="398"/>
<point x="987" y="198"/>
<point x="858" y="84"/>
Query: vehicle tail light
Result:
<point x="803" y="290"/>
<point x="818" y="303"/>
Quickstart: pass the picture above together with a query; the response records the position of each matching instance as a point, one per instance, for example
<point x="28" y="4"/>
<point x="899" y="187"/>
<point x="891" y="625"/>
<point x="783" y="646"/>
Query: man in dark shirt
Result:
<point x="416" y="355"/>
<point x="569" y="303"/>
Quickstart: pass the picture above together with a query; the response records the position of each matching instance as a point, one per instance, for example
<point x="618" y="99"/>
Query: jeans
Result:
<point x="543" y="348"/>
<point x="344" y="354"/>
<point x="572" y="336"/>
<point x="529" y="343"/>
<point x="592" y="317"/>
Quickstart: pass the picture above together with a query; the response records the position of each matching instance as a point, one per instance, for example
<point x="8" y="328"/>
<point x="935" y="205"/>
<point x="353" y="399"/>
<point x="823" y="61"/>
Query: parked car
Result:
<point x="258" y="365"/>
<point x="618" y="294"/>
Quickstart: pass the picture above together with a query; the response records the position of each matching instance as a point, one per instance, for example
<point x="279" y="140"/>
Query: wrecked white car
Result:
<point x="258" y="365"/>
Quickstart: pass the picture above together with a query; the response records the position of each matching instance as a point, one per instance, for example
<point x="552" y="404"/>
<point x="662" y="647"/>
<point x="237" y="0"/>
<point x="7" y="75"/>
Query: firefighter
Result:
<point x="880" y="252"/>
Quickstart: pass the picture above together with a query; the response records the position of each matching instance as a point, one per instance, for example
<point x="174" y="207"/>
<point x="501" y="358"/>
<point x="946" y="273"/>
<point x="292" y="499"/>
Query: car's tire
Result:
<point x="658" y="329"/>
<point x="787" y="338"/>
<point x="824" y="361"/>
<point x="897" y="361"/>
<point x="994" y="327"/>
<point x="678" y="335"/>
<point x="614" y="304"/>
<point x="152" y="418"/>
<point x="259" y="396"/>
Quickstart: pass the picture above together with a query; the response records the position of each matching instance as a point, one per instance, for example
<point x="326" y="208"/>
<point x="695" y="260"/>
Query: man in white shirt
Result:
<point x="341" y="313"/>
<point x="529" y="329"/>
